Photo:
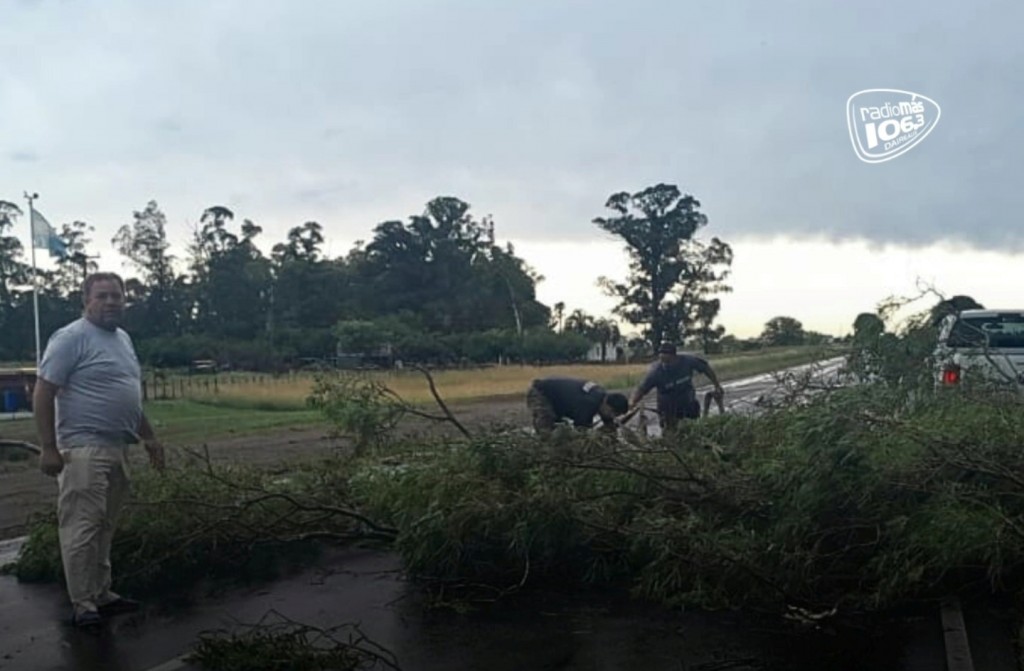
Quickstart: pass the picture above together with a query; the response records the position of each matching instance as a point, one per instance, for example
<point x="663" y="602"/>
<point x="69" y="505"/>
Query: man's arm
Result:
<point x="43" y="398"/>
<point x="153" y="446"/>
<point x="59" y="359"/>
<point x="645" y="386"/>
<point x="709" y="372"/>
<point x="146" y="432"/>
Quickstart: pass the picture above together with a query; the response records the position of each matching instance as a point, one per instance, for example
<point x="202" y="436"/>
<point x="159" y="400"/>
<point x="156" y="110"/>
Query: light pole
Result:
<point x="35" y="280"/>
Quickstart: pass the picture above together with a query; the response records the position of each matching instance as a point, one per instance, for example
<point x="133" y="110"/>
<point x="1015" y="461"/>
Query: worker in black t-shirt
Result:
<point x="553" y="399"/>
<point x="672" y="375"/>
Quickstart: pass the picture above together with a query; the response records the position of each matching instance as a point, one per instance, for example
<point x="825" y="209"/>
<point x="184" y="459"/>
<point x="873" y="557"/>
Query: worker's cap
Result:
<point x="667" y="348"/>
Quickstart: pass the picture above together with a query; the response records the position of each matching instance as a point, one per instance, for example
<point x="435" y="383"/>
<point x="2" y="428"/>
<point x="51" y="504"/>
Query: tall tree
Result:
<point x="144" y="242"/>
<point x="867" y="327"/>
<point x="783" y="331"/>
<point x="952" y="306"/>
<point x="309" y="292"/>
<point x="73" y="268"/>
<point x="579" y="321"/>
<point x="14" y="278"/>
<point x="559" y="315"/>
<point x="60" y="299"/>
<point x="303" y="244"/>
<point x="606" y="332"/>
<point x="704" y="329"/>
<point x="671" y="272"/>
<point x="442" y="272"/>
<point x="13" y="272"/>
<point x="231" y="283"/>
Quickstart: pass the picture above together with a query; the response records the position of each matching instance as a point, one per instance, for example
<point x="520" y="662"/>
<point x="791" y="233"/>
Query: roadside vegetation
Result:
<point x="842" y="500"/>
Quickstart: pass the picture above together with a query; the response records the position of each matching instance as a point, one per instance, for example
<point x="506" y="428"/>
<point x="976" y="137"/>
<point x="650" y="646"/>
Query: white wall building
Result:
<point x="614" y="352"/>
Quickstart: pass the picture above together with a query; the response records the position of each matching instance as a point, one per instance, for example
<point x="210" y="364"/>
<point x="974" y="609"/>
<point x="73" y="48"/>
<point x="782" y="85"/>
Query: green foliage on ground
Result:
<point x="855" y="500"/>
<point x="358" y="407"/>
<point x="279" y="644"/>
<point x="203" y="523"/>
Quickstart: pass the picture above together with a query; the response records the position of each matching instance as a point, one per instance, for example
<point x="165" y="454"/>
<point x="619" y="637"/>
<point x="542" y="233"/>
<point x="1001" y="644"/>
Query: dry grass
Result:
<point x="290" y="392"/>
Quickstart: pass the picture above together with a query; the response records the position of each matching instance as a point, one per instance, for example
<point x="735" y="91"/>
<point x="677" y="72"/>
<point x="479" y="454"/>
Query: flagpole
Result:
<point x="35" y="278"/>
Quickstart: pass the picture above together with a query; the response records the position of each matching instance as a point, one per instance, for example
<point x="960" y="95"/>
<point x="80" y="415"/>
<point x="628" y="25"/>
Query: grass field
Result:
<point x="252" y="403"/>
<point x="289" y="393"/>
<point x="187" y="421"/>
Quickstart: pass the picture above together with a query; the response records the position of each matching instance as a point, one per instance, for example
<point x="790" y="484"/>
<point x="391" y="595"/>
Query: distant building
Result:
<point x="612" y="352"/>
<point x="379" y="357"/>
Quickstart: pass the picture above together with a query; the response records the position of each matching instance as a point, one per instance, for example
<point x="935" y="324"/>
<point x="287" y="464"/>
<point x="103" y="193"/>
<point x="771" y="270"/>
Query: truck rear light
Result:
<point x="951" y="375"/>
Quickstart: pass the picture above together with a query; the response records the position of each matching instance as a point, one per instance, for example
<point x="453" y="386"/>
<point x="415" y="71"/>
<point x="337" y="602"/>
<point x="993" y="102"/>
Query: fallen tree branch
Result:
<point x="441" y="403"/>
<point x="304" y="645"/>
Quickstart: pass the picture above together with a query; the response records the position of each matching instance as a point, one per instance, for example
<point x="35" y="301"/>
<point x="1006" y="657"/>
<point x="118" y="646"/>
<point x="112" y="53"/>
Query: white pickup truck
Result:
<point x="980" y="345"/>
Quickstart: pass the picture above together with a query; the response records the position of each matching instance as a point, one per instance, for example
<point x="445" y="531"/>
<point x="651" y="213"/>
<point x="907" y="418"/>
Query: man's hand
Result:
<point x="50" y="461"/>
<point x="156" y="454"/>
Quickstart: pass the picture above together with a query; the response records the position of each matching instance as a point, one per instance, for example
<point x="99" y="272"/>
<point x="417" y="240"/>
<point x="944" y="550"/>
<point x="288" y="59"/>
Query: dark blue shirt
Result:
<point x="674" y="380"/>
<point x="578" y="400"/>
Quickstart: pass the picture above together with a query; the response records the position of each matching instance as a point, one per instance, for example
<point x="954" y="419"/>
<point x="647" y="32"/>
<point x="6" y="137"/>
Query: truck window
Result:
<point x="1005" y="331"/>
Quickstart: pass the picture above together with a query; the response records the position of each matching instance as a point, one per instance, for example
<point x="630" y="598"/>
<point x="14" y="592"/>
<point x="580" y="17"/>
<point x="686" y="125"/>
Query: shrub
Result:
<point x="214" y="524"/>
<point x="358" y="407"/>
<point x="853" y="500"/>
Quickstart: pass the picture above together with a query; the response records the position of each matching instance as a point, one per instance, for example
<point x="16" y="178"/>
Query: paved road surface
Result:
<point x="742" y="396"/>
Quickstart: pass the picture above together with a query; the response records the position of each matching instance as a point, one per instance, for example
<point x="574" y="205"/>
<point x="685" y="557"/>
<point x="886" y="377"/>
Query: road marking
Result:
<point x="10" y="548"/>
<point x="171" y="664"/>
<point x="958" y="650"/>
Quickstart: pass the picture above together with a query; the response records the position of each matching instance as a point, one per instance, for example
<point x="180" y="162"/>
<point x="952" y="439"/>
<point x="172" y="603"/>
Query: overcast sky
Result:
<point x="350" y="113"/>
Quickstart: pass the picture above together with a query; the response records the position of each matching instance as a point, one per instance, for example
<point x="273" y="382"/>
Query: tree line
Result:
<point x="436" y="286"/>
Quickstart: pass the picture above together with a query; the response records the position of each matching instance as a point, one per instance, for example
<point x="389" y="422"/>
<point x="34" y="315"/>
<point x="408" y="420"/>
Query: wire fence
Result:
<point x="164" y="387"/>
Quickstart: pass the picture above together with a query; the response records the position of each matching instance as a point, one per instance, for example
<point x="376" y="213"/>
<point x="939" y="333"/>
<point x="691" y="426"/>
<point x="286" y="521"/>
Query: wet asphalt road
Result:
<point x="573" y="634"/>
<point x="743" y="396"/>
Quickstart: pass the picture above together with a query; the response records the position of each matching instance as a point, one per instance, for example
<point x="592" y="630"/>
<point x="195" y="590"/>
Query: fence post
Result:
<point x="215" y="390"/>
<point x="145" y="394"/>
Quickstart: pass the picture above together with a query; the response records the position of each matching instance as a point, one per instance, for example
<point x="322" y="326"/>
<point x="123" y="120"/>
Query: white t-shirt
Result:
<point x="100" y="380"/>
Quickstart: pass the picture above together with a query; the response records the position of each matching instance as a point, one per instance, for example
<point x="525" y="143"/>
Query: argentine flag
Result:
<point x="44" y="237"/>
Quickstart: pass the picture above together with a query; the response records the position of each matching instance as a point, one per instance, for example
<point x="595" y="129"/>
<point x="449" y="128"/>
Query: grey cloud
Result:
<point x="23" y="156"/>
<point x="169" y="126"/>
<point x="534" y="112"/>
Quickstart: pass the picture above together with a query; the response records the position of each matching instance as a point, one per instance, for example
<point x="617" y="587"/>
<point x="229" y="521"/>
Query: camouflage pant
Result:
<point x="541" y="410"/>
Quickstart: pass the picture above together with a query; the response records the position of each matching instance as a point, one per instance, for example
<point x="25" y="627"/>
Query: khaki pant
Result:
<point x="92" y="489"/>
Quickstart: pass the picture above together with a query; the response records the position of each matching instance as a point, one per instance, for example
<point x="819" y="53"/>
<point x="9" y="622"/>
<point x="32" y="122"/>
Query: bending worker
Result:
<point x="553" y="399"/>
<point x="672" y="376"/>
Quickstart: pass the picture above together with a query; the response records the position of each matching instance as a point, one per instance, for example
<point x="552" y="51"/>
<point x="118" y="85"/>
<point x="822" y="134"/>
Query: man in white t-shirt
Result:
<point x="88" y="408"/>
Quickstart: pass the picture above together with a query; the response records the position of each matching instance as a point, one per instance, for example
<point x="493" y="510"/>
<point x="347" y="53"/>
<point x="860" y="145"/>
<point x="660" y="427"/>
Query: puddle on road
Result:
<point x="570" y="632"/>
